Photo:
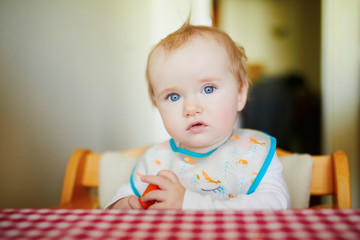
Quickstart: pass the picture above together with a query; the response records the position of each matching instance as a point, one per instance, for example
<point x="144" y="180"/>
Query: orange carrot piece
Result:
<point x="150" y="188"/>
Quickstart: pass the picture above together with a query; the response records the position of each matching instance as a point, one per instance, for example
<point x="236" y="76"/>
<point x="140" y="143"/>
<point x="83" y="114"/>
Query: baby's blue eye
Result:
<point x="208" y="89"/>
<point x="174" y="97"/>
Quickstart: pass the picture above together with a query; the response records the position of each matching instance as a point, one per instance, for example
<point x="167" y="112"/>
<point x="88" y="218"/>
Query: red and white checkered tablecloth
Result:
<point x="173" y="224"/>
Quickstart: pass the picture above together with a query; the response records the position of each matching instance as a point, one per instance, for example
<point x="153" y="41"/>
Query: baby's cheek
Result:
<point x="227" y="116"/>
<point x="171" y="123"/>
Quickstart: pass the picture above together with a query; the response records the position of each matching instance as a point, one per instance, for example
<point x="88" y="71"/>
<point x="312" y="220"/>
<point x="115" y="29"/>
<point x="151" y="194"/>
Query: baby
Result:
<point x="197" y="79"/>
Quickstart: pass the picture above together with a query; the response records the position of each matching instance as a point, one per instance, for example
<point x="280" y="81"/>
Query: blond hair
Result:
<point x="175" y="40"/>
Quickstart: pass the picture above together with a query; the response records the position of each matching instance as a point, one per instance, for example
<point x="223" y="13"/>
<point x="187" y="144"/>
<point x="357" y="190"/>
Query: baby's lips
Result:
<point x="199" y="123"/>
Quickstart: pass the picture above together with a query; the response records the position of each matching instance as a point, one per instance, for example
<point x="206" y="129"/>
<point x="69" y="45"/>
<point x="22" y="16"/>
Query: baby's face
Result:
<point x="196" y="93"/>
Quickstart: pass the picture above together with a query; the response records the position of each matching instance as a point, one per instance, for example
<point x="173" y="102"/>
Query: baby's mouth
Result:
<point x="196" y="126"/>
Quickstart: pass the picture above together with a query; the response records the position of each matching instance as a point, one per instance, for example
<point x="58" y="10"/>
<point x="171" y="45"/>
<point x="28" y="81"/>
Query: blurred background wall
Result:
<point x="304" y="59"/>
<point x="72" y="74"/>
<point x="282" y="42"/>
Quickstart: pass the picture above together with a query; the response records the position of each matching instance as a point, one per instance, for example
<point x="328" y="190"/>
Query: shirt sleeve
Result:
<point x="126" y="189"/>
<point x="122" y="192"/>
<point x="272" y="193"/>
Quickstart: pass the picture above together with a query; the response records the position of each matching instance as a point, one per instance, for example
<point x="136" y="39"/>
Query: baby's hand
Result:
<point x="130" y="202"/>
<point x="171" y="193"/>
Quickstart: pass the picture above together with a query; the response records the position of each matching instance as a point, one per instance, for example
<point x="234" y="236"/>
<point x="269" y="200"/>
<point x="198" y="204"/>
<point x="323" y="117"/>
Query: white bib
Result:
<point x="234" y="168"/>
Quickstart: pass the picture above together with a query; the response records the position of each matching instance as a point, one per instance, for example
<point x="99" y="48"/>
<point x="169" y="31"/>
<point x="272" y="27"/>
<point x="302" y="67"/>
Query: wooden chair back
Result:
<point x="330" y="176"/>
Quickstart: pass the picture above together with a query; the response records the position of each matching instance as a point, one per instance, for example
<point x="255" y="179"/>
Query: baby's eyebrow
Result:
<point x="209" y="79"/>
<point x="167" y="90"/>
<point x="202" y="80"/>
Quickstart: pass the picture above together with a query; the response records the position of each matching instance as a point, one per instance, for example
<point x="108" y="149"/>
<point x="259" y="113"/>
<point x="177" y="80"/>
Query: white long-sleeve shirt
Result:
<point x="244" y="173"/>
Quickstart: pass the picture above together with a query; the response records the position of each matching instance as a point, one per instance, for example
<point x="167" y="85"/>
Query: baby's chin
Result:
<point x="203" y="147"/>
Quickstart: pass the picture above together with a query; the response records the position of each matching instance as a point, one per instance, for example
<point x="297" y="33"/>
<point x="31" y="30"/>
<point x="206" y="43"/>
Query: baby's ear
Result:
<point x="242" y="96"/>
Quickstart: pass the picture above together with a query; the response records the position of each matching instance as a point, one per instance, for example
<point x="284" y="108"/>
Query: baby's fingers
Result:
<point x="169" y="175"/>
<point x="134" y="203"/>
<point x="160" y="181"/>
<point x="156" y="195"/>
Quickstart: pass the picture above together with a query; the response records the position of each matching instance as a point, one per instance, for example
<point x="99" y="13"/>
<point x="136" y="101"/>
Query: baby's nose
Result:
<point x="192" y="109"/>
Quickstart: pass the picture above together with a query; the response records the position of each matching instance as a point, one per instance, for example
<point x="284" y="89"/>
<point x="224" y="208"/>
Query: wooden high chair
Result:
<point x="330" y="176"/>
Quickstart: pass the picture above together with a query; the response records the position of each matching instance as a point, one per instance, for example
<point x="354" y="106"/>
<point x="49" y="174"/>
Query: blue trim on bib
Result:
<point x="264" y="167"/>
<point x="187" y="152"/>
<point x="132" y="184"/>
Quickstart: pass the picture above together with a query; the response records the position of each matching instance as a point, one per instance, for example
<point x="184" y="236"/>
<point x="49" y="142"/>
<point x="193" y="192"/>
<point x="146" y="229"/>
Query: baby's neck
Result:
<point x="199" y="150"/>
<point x="205" y="149"/>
